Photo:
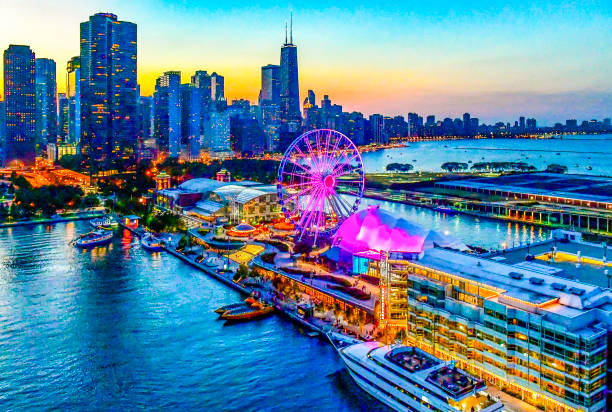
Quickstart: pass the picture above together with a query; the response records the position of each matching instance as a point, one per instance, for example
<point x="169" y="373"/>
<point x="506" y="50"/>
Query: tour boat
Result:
<point x="94" y="238"/>
<point x="247" y="313"/>
<point x="104" y="221"/>
<point x="406" y="378"/>
<point x="150" y="243"/>
<point x="229" y="307"/>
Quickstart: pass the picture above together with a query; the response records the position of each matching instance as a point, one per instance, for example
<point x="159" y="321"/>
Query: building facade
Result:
<point x="534" y="335"/>
<point x="46" y="101"/>
<point x="291" y="117"/>
<point x="191" y="119"/>
<point x="108" y="85"/>
<point x="167" y="100"/>
<point x="20" y="103"/>
<point x="217" y="87"/>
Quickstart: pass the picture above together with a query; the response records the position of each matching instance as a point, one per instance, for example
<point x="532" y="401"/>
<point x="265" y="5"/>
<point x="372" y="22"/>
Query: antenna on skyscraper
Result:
<point x="285" y="32"/>
<point x="291" y="29"/>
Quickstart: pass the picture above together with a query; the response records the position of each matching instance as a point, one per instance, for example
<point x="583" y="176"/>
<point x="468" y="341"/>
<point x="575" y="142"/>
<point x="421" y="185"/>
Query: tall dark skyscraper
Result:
<point x="109" y="97"/>
<point x="167" y="101"/>
<point x="269" y="102"/>
<point x="217" y="86"/>
<point x="191" y="118"/>
<point x="291" y="117"/>
<point x="270" y="84"/>
<point x="63" y="118"/>
<point x="46" y="101"/>
<point x="20" y="103"/>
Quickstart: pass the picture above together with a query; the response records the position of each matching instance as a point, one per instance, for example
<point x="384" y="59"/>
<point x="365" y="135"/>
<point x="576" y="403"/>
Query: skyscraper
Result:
<point x="217" y="131"/>
<point x="217" y="86"/>
<point x="2" y="126"/>
<point x="108" y="83"/>
<point x="168" y="112"/>
<point x="467" y="124"/>
<point x="291" y="117"/>
<point x="270" y="84"/>
<point x="269" y="102"/>
<point x="191" y="118"/>
<point x="377" y="124"/>
<point x="20" y="103"/>
<point x="46" y="101"/>
<point x="63" y="118"/>
<point x="73" y="93"/>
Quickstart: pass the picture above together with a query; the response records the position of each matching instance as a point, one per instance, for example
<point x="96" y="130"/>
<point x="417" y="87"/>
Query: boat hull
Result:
<point x="227" y="308"/>
<point x="151" y="248"/>
<point x="240" y="316"/>
<point x="92" y="243"/>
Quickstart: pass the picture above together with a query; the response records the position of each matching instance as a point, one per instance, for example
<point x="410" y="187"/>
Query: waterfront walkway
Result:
<point x="61" y="219"/>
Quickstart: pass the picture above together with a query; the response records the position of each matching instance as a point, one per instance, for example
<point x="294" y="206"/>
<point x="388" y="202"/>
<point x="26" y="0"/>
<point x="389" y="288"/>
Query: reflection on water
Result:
<point x="119" y="328"/>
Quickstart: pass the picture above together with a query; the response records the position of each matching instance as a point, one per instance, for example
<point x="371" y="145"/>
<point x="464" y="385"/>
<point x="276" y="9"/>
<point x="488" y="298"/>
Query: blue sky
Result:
<point x="495" y="59"/>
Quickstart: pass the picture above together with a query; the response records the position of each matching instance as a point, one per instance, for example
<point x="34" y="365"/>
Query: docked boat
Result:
<point x="94" y="238"/>
<point x="150" y="243"/>
<point x="229" y="307"/>
<point x="104" y="221"/>
<point x="247" y="313"/>
<point x="445" y="210"/>
<point x="406" y="378"/>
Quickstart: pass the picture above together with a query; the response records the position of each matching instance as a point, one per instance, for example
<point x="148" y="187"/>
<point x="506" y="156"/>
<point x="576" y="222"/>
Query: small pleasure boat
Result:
<point x="247" y="313"/>
<point x="104" y="221"/>
<point x="94" y="238"/>
<point x="150" y="243"/>
<point x="231" y="306"/>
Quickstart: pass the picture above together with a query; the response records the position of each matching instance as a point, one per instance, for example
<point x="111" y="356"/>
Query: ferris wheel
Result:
<point x="320" y="181"/>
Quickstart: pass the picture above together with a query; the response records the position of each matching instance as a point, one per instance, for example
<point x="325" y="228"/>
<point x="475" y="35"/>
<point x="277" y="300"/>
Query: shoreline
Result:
<point x="51" y="221"/>
<point x="241" y="289"/>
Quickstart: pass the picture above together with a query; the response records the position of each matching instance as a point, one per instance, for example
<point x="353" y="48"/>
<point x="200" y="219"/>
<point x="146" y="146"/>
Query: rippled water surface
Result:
<point x="120" y="328"/>
<point x="576" y="152"/>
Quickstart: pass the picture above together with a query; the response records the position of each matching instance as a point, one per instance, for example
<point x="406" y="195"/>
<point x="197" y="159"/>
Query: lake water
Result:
<point x="575" y="152"/>
<point x="119" y="328"/>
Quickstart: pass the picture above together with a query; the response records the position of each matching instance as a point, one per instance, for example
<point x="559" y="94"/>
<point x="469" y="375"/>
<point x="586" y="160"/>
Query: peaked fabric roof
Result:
<point x="378" y="230"/>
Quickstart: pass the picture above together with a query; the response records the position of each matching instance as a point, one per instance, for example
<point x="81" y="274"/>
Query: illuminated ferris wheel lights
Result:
<point x="314" y="168"/>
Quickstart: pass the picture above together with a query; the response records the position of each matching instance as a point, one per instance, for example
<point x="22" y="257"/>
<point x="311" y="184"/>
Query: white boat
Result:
<point x="150" y="243"/>
<point x="406" y="378"/>
<point x="104" y="221"/>
<point x="94" y="238"/>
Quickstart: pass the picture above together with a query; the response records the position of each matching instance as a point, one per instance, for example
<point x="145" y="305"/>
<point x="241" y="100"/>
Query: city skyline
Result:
<point x="538" y="79"/>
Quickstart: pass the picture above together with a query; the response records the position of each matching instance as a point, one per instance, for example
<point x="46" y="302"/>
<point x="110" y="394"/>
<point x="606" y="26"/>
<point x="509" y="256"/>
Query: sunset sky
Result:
<point x="495" y="59"/>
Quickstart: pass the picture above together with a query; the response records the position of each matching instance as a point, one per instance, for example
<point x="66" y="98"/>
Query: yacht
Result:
<point x="406" y="378"/>
<point x="94" y="238"/>
<point x="150" y="243"/>
<point x="104" y="221"/>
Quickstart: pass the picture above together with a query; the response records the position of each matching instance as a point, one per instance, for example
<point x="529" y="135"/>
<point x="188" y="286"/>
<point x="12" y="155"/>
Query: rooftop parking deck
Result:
<point x="565" y="264"/>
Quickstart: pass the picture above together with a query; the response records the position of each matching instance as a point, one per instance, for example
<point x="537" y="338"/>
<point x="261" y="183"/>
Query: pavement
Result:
<point x="511" y="403"/>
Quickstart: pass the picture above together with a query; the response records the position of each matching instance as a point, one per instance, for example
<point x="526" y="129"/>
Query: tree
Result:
<point x="399" y="167"/>
<point x="556" y="168"/>
<point x="454" y="166"/>
<point x="242" y="272"/>
<point x="20" y="181"/>
<point x="72" y="162"/>
<point x="90" y="201"/>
